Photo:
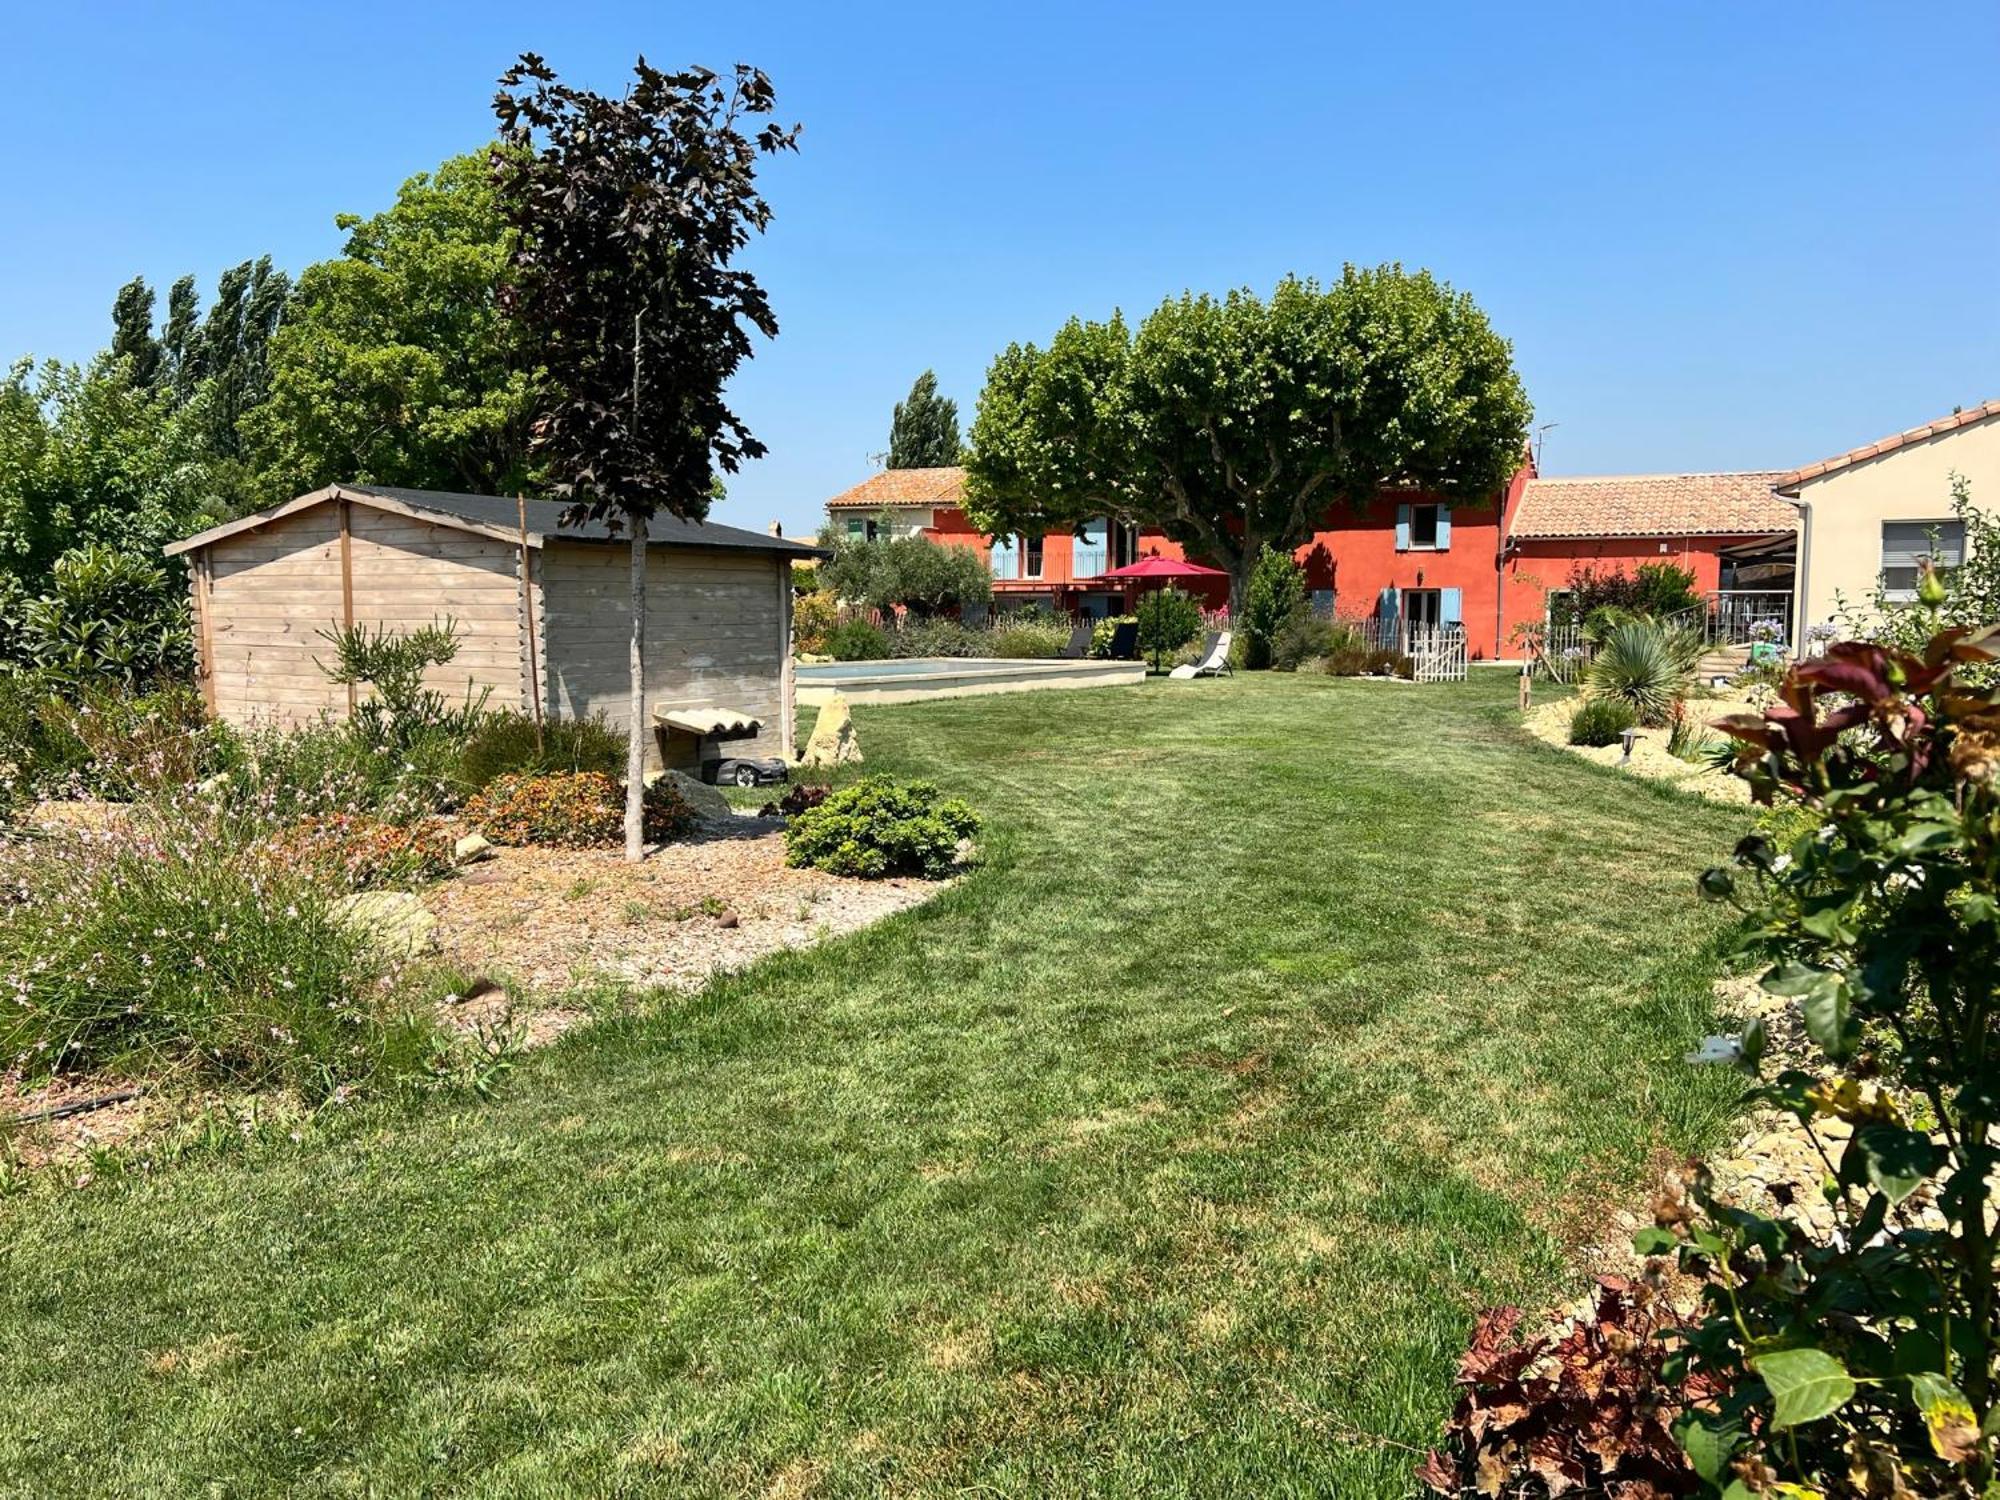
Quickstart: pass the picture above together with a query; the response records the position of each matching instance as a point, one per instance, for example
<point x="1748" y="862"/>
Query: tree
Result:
<point x="924" y="433"/>
<point x="180" y="339"/>
<point x="395" y="364"/>
<point x="1276" y="592"/>
<point x="1232" y="424"/>
<point x="249" y="304"/>
<point x="631" y="212"/>
<point x="923" y="576"/>
<point x="132" y="332"/>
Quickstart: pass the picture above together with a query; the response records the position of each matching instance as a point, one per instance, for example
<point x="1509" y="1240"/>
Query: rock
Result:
<point x="709" y="805"/>
<point x="471" y="849"/>
<point x="833" y="742"/>
<point x="395" y="921"/>
<point x="728" y="918"/>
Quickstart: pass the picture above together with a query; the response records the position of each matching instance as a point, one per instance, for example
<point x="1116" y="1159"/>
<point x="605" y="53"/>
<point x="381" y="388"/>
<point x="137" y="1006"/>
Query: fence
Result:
<point x="1437" y="653"/>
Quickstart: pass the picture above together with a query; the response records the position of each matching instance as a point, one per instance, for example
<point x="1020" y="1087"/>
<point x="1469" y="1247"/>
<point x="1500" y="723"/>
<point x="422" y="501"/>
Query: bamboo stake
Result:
<point x="528" y="621"/>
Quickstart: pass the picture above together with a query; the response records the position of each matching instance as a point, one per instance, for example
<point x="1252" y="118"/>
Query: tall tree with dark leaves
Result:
<point x="132" y="332"/>
<point x="180" y="339"/>
<point x="235" y="345"/>
<point x="924" y="432"/>
<point x="631" y="212"/>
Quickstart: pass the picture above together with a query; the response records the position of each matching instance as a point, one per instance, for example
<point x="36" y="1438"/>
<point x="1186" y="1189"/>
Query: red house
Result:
<point x="1408" y="556"/>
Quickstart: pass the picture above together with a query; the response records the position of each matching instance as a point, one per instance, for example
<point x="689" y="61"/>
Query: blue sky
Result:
<point x="1719" y="236"/>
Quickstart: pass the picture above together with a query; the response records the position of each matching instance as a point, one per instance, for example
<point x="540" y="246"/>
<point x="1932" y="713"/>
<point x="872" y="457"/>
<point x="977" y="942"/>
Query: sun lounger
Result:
<point x="1214" y="658"/>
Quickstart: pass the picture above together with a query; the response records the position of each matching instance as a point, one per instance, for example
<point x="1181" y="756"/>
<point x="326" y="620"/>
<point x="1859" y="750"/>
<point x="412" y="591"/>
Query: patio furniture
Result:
<point x="1214" y="658"/>
<point x="1079" y="644"/>
<point x="1124" y="641"/>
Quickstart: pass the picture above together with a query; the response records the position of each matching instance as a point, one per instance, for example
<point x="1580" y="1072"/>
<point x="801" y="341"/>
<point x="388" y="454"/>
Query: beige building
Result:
<point x="1872" y="514"/>
<point x="542" y="609"/>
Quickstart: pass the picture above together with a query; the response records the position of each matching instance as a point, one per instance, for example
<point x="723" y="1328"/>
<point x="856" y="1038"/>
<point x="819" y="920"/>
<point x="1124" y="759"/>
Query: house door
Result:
<point x="1422" y="607"/>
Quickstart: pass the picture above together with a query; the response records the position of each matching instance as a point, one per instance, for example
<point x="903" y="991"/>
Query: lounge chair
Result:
<point x="1124" y="641"/>
<point x="1214" y="658"/>
<point x="1079" y="644"/>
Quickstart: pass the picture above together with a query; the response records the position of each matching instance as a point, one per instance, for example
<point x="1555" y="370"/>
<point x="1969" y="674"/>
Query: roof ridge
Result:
<point x="1965" y="416"/>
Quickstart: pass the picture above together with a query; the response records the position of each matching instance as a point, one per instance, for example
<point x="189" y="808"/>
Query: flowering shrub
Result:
<point x="574" y="810"/>
<point x="166" y="949"/>
<point x="1584" y="1411"/>
<point x="359" y="853"/>
<point x="813" y="615"/>
<point x="1867" y="1364"/>
<point x="103" y="742"/>
<point x="881" y="827"/>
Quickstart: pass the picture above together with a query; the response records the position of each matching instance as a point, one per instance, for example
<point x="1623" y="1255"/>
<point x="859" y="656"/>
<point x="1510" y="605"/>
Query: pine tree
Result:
<point x="924" y="432"/>
<point x="132" y="332"/>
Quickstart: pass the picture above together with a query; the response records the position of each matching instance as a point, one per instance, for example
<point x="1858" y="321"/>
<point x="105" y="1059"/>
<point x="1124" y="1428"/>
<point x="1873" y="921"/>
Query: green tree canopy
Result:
<point x="923" y="576"/>
<point x="88" y="456"/>
<point x="394" y="363"/>
<point x="132" y="331"/>
<point x="1233" y="423"/>
<point x="924" y="432"/>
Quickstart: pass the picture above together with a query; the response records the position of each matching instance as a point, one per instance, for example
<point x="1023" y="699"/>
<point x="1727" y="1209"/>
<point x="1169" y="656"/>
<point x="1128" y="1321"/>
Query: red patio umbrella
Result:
<point x="1163" y="571"/>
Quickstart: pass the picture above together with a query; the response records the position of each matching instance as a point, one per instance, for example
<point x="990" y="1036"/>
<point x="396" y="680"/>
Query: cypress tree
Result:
<point x="924" y="432"/>
<point x="181" y="338"/>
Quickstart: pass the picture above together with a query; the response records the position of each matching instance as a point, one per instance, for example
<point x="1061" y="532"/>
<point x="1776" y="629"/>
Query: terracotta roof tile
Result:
<point x="904" y="487"/>
<point x="1789" y="483"/>
<point x="1652" y="505"/>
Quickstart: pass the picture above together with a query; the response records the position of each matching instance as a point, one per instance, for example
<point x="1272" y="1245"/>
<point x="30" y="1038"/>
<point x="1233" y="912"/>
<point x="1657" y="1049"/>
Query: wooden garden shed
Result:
<point x="542" y="609"/>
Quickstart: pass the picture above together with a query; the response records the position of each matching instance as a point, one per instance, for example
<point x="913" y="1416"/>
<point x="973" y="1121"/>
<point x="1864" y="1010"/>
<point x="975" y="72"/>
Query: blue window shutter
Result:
<point x="856" y="528"/>
<point x="1322" y="603"/>
<point x="1003" y="558"/>
<point x="1444" y="528"/>
<point x="1387" y="606"/>
<point x="1402" y="529"/>
<point x="1451" y="602"/>
<point x="1088" y="552"/>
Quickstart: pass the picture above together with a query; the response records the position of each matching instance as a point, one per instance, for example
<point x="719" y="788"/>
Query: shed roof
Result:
<point x="1964" y="417"/>
<point x="1652" y="505"/>
<point x="940" y="486"/>
<point x="500" y="516"/>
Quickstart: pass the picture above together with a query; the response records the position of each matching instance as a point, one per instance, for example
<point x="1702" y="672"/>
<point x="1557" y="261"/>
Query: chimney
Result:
<point x="777" y="528"/>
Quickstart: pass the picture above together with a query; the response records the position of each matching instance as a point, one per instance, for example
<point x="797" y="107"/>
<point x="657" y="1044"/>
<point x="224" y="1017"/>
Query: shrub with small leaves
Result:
<point x="359" y="853"/>
<point x="799" y="797"/>
<point x="856" y="640"/>
<point x="1601" y="721"/>
<point x="879" y="827"/>
<point x="574" y="810"/>
<point x="508" y="742"/>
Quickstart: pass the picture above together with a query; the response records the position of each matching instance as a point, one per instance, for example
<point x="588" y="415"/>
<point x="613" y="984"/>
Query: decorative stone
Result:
<point x="709" y="805"/>
<point x="397" y="922"/>
<point x="471" y="849"/>
<point x="833" y="741"/>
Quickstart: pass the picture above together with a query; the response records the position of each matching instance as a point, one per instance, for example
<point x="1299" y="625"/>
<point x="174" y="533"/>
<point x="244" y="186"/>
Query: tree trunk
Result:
<point x="635" y="746"/>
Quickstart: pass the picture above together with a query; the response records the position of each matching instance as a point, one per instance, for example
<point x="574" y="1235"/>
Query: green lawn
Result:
<point x="1291" y="1020"/>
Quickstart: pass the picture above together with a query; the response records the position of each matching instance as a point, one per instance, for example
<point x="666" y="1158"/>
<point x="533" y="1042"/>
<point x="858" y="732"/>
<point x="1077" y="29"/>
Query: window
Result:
<point x="1421" y="606"/>
<point x="1031" y="556"/>
<point x="1423" y="528"/>
<point x="1124" y="544"/>
<point x="859" y="530"/>
<point x="1907" y="545"/>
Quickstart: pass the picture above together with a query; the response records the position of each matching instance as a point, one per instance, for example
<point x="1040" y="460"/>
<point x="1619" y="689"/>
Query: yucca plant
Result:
<point x="1646" y="665"/>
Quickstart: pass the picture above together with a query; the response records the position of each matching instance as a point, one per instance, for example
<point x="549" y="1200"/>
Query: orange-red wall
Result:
<point x="1534" y="567"/>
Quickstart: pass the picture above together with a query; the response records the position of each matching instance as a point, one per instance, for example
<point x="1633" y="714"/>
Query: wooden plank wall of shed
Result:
<point x="272" y="590"/>
<point x="716" y="634"/>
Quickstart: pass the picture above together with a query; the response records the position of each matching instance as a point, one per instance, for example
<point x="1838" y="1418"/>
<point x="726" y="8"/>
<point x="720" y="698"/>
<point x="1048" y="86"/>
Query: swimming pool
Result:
<point x="911" y="679"/>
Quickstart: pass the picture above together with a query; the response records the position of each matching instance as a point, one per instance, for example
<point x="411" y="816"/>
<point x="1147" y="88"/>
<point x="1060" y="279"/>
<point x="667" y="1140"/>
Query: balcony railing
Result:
<point x="1750" y="617"/>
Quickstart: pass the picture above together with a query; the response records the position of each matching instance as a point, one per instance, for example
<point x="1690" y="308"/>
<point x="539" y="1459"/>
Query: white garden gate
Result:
<point x="1437" y="652"/>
